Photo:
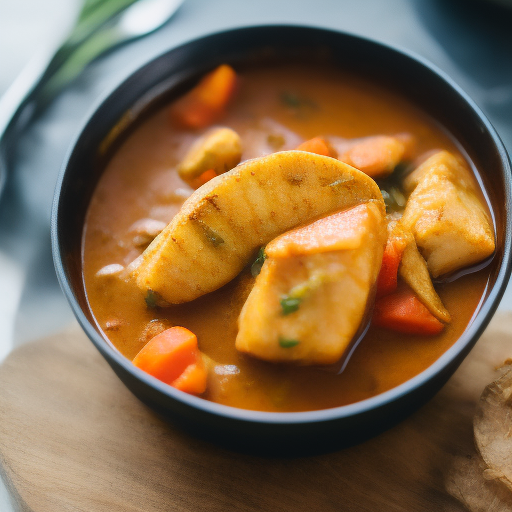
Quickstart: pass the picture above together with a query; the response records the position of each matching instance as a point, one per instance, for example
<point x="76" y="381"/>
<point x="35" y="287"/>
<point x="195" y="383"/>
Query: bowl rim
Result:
<point x="470" y="335"/>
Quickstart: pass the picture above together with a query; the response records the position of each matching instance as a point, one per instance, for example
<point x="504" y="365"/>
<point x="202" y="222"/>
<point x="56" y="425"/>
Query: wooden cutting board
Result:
<point x="73" y="438"/>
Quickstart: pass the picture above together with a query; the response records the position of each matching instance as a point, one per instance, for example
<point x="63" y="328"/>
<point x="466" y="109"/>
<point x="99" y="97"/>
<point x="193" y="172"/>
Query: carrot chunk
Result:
<point x="388" y="275"/>
<point x="193" y="379"/>
<point x="206" y="102"/>
<point x="340" y="231"/>
<point x="203" y="178"/>
<point x="174" y="358"/>
<point x="316" y="145"/>
<point x="378" y="156"/>
<point x="402" y="311"/>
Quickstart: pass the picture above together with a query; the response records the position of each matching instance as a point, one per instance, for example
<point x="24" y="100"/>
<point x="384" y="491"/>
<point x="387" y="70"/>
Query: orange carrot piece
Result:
<point x="402" y="311"/>
<point x="377" y="156"/>
<point x="168" y="357"/>
<point x="206" y="102"/>
<point x="388" y="275"/>
<point x="316" y="145"/>
<point x="340" y="231"/>
<point x="203" y="178"/>
<point x="409" y="143"/>
<point x="193" y="378"/>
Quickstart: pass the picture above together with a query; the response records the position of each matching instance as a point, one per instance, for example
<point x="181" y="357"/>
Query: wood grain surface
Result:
<point x="73" y="438"/>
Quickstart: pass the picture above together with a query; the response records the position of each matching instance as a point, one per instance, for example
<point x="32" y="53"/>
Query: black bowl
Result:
<point x="169" y="75"/>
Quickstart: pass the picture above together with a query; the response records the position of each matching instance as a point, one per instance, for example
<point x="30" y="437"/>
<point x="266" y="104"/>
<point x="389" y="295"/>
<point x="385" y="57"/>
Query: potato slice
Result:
<point x="221" y="226"/>
<point x="449" y="222"/>
<point x="219" y="149"/>
<point x="312" y="293"/>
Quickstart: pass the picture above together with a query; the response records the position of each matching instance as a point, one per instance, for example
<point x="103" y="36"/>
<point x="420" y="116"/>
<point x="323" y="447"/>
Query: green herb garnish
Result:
<point x="287" y="343"/>
<point x="258" y="262"/>
<point x="391" y="188"/>
<point x="302" y="290"/>
<point x="400" y="172"/>
<point x="388" y="201"/>
<point x="291" y="99"/>
<point x="214" y="238"/>
<point x="394" y="199"/>
<point x="299" y="104"/>
<point x="151" y="299"/>
<point x="290" y="304"/>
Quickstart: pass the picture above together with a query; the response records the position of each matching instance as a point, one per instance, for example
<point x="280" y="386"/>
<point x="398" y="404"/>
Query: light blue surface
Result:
<point x="470" y="43"/>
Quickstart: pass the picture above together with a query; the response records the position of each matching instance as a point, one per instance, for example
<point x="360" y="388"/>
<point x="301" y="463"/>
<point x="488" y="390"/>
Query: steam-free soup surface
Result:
<point x="275" y="108"/>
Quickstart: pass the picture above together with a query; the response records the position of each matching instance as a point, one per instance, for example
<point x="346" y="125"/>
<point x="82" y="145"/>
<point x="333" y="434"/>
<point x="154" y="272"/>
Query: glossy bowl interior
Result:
<point x="168" y="76"/>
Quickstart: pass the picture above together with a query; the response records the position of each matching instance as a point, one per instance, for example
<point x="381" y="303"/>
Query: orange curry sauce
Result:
<point x="141" y="181"/>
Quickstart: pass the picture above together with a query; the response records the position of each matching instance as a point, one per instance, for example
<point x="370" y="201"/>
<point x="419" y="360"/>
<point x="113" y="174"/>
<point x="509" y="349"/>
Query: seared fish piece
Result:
<point x="313" y="290"/>
<point x="449" y="222"/>
<point x="222" y="225"/>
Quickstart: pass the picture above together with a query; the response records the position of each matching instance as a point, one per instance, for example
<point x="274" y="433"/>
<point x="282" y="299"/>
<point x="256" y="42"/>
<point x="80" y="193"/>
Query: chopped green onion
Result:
<point x="258" y="262"/>
<point x="302" y="290"/>
<point x="287" y="343"/>
<point x="290" y="304"/>
<point x="387" y="199"/>
<point x="394" y="199"/>
<point x="296" y="102"/>
<point x="212" y="236"/>
<point x="151" y="299"/>
<point x="400" y="172"/>
<point x="291" y="99"/>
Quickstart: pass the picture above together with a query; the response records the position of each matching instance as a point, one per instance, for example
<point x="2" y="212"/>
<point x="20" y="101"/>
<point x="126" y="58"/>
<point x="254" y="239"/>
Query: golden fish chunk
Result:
<point x="219" y="149"/>
<point x="308" y="302"/>
<point x="448" y="220"/>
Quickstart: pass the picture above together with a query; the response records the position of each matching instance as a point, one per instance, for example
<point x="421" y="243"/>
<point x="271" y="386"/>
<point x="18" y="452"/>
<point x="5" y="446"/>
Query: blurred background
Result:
<point x="471" y="40"/>
<point x="28" y="27"/>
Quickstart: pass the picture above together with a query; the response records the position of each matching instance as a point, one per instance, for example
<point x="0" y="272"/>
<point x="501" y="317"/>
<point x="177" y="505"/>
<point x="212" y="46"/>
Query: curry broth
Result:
<point x="140" y="181"/>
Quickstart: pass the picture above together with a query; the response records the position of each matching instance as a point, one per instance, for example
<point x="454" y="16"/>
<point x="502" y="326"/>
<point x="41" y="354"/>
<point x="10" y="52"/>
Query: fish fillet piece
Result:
<point x="310" y="299"/>
<point x="222" y="225"/>
<point x="448" y="220"/>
